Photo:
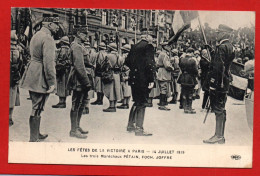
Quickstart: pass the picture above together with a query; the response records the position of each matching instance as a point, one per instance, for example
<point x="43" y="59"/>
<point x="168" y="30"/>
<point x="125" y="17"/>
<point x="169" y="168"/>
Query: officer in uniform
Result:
<point x="63" y="63"/>
<point x="164" y="75"/>
<point x="40" y="76"/>
<point x="90" y="64"/>
<point x="141" y="63"/>
<point x="101" y="55"/>
<point x="219" y="81"/>
<point x="126" y="89"/>
<point x="188" y="80"/>
<point x="175" y="74"/>
<point x="15" y="75"/>
<point x="78" y="82"/>
<point x="112" y="89"/>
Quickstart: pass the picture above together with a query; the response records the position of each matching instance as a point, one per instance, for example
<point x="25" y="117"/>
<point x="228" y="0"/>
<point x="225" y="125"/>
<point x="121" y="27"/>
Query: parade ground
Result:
<point x="168" y="127"/>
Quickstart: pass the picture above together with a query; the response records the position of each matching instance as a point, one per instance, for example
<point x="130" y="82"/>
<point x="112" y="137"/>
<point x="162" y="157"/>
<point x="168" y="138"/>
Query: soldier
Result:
<point x="90" y="64"/>
<point x="15" y="70"/>
<point x="196" y="94"/>
<point x="63" y="63"/>
<point x="219" y="81"/>
<point x="126" y="89"/>
<point x="78" y="82"/>
<point x="112" y="87"/>
<point x="188" y="80"/>
<point x="164" y="75"/>
<point x="141" y="63"/>
<point x="175" y="74"/>
<point x="101" y="55"/>
<point x="40" y="76"/>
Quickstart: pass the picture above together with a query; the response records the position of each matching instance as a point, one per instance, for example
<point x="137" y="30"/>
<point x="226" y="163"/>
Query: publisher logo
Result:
<point x="236" y="157"/>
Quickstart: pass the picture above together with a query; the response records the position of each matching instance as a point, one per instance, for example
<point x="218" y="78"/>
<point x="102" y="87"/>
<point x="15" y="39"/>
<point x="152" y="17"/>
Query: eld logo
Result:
<point x="236" y="157"/>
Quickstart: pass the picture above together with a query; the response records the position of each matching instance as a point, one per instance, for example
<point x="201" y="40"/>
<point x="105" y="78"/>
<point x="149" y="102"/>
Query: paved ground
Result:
<point x="171" y="127"/>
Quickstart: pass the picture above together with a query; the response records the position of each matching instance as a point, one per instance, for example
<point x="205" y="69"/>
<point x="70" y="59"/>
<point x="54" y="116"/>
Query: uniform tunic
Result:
<point x="41" y="73"/>
<point x="126" y="89"/>
<point x="113" y="90"/>
<point x="101" y="55"/>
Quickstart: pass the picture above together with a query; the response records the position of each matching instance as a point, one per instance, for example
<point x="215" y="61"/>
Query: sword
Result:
<point x="208" y="108"/>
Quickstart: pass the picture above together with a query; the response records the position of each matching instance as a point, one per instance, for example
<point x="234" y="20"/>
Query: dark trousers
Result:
<point x="79" y="100"/>
<point x="136" y="115"/>
<point x="187" y="93"/>
<point x="38" y="102"/>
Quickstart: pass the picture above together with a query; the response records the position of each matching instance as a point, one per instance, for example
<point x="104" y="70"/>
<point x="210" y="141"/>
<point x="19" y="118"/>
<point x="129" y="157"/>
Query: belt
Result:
<point x="39" y="61"/>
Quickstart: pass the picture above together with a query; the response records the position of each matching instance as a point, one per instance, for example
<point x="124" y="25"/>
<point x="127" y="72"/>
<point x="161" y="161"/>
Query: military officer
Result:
<point x="15" y="76"/>
<point x="219" y="81"/>
<point x="78" y="82"/>
<point x="141" y="63"/>
<point x="164" y="75"/>
<point x="112" y="89"/>
<point x="40" y="76"/>
<point x="101" y="55"/>
<point x="126" y="89"/>
<point x="63" y="62"/>
<point x="188" y="80"/>
<point x="90" y="64"/>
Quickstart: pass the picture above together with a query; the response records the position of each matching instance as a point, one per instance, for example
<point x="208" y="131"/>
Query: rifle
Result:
<point x="208" y="108"/>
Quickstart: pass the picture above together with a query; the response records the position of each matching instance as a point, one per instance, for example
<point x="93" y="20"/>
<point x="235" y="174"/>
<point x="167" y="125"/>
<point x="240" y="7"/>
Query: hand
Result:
<point x="51" y="89"/>
<point x="151" y="85"/>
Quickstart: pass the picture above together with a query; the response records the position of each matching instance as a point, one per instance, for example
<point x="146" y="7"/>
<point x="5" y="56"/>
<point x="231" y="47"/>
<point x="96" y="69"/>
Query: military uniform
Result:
<point x="80" y="83"/>
<point x="40" y="74"/>
<point x="112" y="90"/>
<point x="219" y="82"/>
<point x="140" y="61"/>
<point x="101" y="55"/>
<point x="164" y="78"/>
<point x="188" y="80"/>
<point x="63" y="63"/>
<point x="15" y="70"/>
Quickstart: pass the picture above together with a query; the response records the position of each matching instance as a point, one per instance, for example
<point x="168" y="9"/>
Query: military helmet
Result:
<point x="175" y="51"/>
<point x="102" y="45"/>
<point x="65" y="39"/>
<point x="197" y="52"/>
<point x="126" y="47"/>
<point x="14" y="37"/>
<point x="112" y="46"/>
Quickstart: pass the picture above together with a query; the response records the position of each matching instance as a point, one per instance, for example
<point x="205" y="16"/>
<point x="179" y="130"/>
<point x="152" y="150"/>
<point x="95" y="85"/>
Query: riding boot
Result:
<point x="131" y="120"/>
<point x="174" y="98"/>
<point x="161" y="103"/>
<point x="41" y="136"/>
<point x="74" y="132"/>
<point x="111" y="107"/>
<point x="97" y="102"/>
<point x="191" y="111"/>
<point x="205" y="98"/>
<point x="34" y="124"/>
<point x="61" y="104"/>
<point x="139" y="131"/>
<point x="149" y="102"/>
<point x="185" y="104"/>
<point x="80" y="112"/>
<point x="163" y="106"/>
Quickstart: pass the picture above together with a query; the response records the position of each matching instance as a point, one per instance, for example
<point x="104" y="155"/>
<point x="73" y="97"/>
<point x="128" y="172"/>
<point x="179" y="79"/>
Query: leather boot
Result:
<point x="10" y="116"/>
<point x="131" y="120"/>
<point x="61" y="104"/>
<point x="111" y="107"/>
<point x="161" y="103"/>
<point x="164" y="99"/>
<point x="149" y="102"/>
<point x="74" y="132"/>
<point x="41" y="136"/>
<point x="78" y="121"/>
<point x="139" y="131"/>
<point x="99" y="100"/>
<point x="191" y="111"/>
<point x="174" y="98"/>
<point x="34" y="129"/>
<point x="185" y="105"/>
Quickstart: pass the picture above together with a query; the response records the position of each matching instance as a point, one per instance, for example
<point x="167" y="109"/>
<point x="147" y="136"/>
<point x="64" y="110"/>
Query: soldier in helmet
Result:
<point x="101" y="55"/>
<point x="63" y="64"/>
<point x="188" y="80"/>
<point x="164" y="75"/>
<point x="15" y="76"/>
<point x="40" y="76"/>
<point x="126" y="89"/>
<point x="79" y="82"/>
<point x="112" y="86"/>
<point x="175" y="74"/>
<point x="219" y="81"/>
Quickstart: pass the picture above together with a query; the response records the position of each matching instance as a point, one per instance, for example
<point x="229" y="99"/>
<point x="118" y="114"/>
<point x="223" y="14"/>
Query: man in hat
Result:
<point x="101" y="55"/>
<point x="164" y="75"/>
<point x="15" y="76"/>
<point x="40" y="76"/>
<point x="90" y="64"/>
<point x="175" y="74"/>
<point x="63" y="63"/>
<point x="219" y="81"/>
<point x="112" y="89"/>
<point x="124" y="76"/>
<point x="188" y="80"/>
<point x="78" y="82"/>
<point x="141" y="63"/>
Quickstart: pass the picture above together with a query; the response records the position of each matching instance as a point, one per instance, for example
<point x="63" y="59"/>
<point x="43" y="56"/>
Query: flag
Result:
<point x="239" y="83"/>
<point x="181" y="22"/>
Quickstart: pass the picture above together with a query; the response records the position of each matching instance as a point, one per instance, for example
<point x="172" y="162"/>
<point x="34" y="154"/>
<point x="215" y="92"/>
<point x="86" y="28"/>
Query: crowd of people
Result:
<point x="141" y="72"/>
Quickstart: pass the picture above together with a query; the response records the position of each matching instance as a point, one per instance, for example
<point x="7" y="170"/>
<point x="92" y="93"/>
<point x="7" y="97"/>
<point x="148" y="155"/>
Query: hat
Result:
<point x="175" y="51"/>
<point x="65" y="39"/>
<point x="190" y="50"/>
<point x="224" y="28"/>
<point x="112" y="46"/>
<point x="146" y="31"/>
<point x="14" y="37"/>
<point x="54" y="18"/>
<point x="197" y="52"/>
<point x="102" y="45"/>
<point x="126" y="47"/>
<point x="87" y="43"/>
<point x="80" y="29"/>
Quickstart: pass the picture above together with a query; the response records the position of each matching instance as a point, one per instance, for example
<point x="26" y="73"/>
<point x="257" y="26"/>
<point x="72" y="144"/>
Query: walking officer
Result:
<point x="63" y="63"/>
<point x="219" y="81"/>
<point x="40" y="76"/>
<point x="141" y="63"/>
<point x="78" y="82"/>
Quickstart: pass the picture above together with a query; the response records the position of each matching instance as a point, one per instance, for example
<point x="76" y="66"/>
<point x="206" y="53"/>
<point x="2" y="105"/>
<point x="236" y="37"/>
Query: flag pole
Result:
<point x="204" y="37"/>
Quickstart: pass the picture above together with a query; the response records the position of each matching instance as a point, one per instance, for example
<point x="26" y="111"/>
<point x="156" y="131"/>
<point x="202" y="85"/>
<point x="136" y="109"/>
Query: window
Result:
<point x="104" y="18"/>
<point x="124" y="22"/>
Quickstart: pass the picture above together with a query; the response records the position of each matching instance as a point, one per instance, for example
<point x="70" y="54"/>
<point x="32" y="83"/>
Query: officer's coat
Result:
<point x="41" y="73"/>
<point x="165" y="67"/>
